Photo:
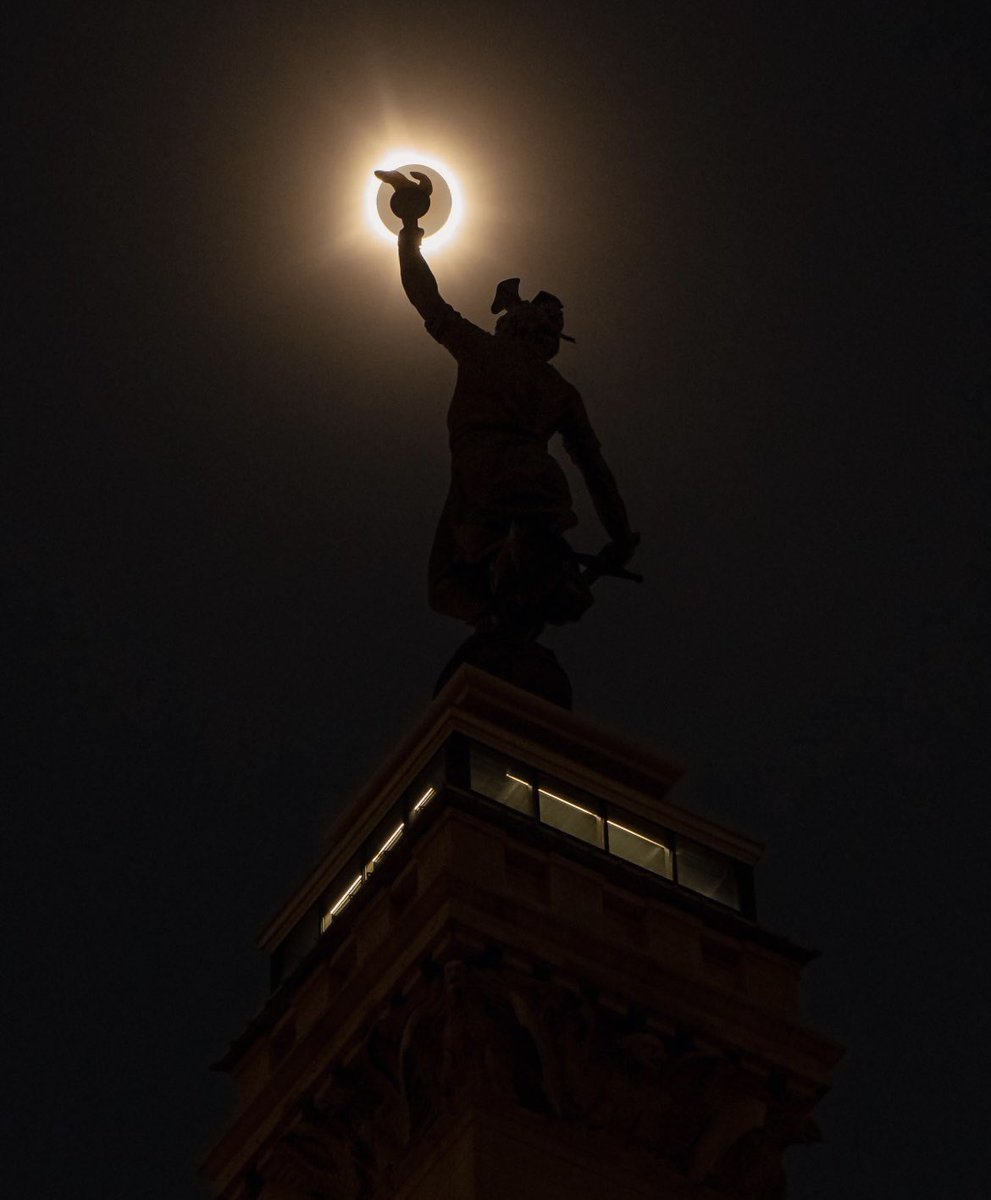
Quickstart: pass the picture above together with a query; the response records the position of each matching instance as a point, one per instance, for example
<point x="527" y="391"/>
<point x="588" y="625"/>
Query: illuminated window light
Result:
<point x="551" y="796"/>
<point x="639" y="849"/>
<point x="386" y="846"/>
<point x="570" y="803"/>
<point x="573" y="819"/>
<point x="633" y="833"/>
<point x="489" y="777"/>
<point x="340" y="902"/>
<point x="427" y="795"/>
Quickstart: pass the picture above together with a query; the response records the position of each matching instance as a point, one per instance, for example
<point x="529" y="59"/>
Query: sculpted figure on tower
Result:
<point x="500" y="560"/>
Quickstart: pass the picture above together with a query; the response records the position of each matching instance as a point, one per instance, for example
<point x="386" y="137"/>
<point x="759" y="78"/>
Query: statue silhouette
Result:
<point x="499" y="559"/>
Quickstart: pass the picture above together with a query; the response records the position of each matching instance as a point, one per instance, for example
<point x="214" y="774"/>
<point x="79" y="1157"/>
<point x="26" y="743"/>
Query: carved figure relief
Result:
<point x="480" y="1035"/>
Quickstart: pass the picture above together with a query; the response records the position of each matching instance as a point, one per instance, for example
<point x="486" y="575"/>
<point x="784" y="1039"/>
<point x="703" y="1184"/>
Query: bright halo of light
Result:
<point x="389" y="162"/>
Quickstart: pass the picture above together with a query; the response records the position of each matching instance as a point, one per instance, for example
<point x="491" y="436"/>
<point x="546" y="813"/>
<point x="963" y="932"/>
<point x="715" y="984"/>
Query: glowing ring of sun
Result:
<point x="395" y="160"/>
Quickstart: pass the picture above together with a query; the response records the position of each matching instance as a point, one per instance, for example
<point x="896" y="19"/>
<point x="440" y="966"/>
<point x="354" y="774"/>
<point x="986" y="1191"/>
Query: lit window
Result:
<point x="570" y="817"/>
<point x="424" y="800"/>
<point x="708" y="873"/>
<point x="638" y="848"/>
<point x="494" y="777"/>
<point x="340" y="902"/>
<point x="384" y="849"/>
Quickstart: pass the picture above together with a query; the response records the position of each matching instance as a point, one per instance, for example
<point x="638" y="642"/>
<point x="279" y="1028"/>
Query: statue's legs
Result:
<point x="517" y="575"/>
<point x="527" y="577"/>
<point x="535" y="578"/>
<point x="456" y="588"/>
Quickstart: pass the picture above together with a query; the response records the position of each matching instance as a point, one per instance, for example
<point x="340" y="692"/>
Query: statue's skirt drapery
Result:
<point x="515" y="565"/>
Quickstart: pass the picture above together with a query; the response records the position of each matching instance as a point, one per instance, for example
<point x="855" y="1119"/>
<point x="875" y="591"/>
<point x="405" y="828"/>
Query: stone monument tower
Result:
<point x="519" y="970"/>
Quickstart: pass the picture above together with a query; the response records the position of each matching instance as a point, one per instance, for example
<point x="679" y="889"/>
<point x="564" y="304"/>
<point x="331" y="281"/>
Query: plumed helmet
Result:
<point x="544" y="313"/>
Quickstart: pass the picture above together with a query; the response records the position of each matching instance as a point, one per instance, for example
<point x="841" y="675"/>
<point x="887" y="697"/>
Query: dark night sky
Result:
<point x="228" y="453"/>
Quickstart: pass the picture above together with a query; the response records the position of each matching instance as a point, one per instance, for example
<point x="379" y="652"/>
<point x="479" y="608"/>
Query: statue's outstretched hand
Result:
<point x="611" y="560"/>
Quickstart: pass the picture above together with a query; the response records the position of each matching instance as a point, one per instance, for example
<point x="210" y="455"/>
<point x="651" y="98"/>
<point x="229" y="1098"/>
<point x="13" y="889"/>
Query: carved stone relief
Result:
<point x="480" y="1035"/>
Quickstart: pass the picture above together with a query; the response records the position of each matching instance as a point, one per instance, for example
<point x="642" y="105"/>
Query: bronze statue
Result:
<point x="499" y="559"/>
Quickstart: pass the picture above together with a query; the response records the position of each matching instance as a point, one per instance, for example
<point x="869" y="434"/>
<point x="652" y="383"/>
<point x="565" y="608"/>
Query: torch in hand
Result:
<point x="410" y="200"/>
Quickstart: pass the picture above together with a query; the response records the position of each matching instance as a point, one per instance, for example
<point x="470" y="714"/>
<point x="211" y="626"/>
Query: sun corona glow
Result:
<point x="397" y="159"/>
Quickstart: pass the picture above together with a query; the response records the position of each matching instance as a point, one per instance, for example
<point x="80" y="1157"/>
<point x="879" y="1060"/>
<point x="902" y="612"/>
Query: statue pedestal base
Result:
<point x="520" y="661"/>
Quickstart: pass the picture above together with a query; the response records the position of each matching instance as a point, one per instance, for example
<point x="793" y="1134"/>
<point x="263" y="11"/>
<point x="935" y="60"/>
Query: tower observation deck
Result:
<point x="520" y="970"/>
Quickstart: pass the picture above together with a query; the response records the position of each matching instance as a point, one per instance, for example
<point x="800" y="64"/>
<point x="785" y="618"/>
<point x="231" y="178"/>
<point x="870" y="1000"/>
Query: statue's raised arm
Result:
<point x="410" y="201"/>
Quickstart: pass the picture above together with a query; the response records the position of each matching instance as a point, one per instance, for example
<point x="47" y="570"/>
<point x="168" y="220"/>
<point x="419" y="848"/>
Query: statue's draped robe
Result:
<point x="507" y="404"/>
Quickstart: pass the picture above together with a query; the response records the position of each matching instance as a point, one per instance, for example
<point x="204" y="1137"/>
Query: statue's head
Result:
<point x="538" y="323"/>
